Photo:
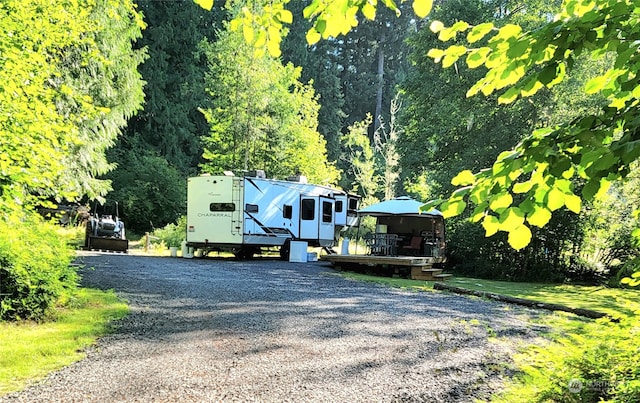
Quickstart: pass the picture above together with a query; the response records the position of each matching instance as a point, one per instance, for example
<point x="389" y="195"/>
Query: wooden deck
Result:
<point x="418" y="267"/>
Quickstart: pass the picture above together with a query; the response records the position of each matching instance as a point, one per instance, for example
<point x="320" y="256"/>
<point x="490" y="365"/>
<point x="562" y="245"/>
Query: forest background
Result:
<point x="116" y="101"/>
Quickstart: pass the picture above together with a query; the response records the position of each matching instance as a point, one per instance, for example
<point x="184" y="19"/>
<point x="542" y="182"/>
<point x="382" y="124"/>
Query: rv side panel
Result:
<point x="271" y="209"/>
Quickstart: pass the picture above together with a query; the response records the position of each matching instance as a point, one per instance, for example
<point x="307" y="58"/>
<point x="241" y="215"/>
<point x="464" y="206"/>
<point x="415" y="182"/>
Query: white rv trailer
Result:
<point x="243" y="214"/>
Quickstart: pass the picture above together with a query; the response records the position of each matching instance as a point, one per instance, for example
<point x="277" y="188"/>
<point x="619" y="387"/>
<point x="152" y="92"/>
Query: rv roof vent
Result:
<point x="257" y="173"/>
<point x="297" y="178"/>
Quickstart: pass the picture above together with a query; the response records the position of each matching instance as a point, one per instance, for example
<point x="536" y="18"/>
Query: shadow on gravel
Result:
<point x="446" y="347"/>
<point x="181" y="295"/>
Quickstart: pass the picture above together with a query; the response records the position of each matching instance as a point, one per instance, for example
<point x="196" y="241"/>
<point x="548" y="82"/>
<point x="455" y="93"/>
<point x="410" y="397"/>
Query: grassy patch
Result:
<point x="613" y="301"/>
<point x="29" y="350"/>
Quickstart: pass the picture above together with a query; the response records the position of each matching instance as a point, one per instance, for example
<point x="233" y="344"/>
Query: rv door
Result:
<point x="317" y="219"/>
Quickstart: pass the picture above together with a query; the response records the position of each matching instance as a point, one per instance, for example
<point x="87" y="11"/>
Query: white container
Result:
<point x="174" y="251"/>
<point x="345" y="246"/>
<point x="298" y="251"/>
<point x="312" y="257"/>
<point x="183" y="247"/>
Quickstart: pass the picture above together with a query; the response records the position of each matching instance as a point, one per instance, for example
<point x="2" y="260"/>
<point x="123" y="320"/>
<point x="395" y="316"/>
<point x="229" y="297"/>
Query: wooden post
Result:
<point x="147" y="242"/>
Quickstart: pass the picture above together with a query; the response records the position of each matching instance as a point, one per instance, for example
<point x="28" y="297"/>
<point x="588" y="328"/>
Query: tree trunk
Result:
<point x="378" y="113"/>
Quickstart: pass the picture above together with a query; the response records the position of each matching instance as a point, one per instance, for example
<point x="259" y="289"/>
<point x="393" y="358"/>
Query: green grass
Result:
<point x="29" y="351"/>
<point x="613" y="301"/>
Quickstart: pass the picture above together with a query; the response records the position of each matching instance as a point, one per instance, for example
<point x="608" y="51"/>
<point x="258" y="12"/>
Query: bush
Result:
<point x="172" y="234"/>
<point x="599" y="363"/>
<point x="151" y="193"/>
<point x="35" y="271"/>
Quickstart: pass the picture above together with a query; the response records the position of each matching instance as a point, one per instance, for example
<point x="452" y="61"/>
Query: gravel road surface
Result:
<point x="209" y="330"/>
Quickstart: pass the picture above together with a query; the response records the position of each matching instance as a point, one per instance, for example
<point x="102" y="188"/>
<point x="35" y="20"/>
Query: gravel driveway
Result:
<point x="209" y="330"/>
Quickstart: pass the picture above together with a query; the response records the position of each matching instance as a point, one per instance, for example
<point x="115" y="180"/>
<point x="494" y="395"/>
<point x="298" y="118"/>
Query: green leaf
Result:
<point x="477" y="57"/>
<point x="605" y="162"/>
<point x="452" y="54"/>
<point x="313" y="36"/>
<point x="273" y="45"/>
<point x="590" y="189"/>
<point x="206" y="4"/>
<point x="247" y="32"/>
<point x="511" y="218"/>
<point x="286" y="16"/>
<point x="540" y="216"/>
<point x="464" y="178"/>
<point x="595" y="84"/>
<point x="519" y="237"/>
<point x="478" y="214"/>
<point x="531" y="87"/>
<point x="422" y="8"/>
<point x="527" y="205"/>
<point x="508" y="31"/>
<point x="430" y="205"/>
<point x="490" y="225"/>
<point x="459" y="193"/>
<point x="479" y="31"/>
<point x="436" y="54"/>
<point x="452" y="208"/>
<point x="548" y="74"/>
<point x="573" y="202"/>
<point x="501" y="201"/>
<point x="311" y="9"/>
<point x="446" y="34"/>
<point x="555" y="199"/>
<point x="369" y="11"/>
<point x="509" y="96"/>
<point x="460" y="26"/>
<point x="522" y="187"/>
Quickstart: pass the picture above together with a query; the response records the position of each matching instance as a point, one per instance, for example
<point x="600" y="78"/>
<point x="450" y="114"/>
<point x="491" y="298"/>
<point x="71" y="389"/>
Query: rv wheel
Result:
<point x="284" y="250"/>
<point x="245" y="252"/>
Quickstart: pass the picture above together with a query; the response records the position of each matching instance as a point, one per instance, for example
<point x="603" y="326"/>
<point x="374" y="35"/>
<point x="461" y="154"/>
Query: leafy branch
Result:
<point x="539" y="176"/>
<point x="263" y="26"/>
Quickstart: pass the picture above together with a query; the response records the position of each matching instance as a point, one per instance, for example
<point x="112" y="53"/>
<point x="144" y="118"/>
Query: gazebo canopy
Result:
<point x="404" y="206"/>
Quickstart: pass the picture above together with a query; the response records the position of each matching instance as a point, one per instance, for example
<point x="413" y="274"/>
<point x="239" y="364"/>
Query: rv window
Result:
<point x="251" y="208"/>
<point x="287" y="211"/>
<point x="222" y="207"/>
<point x="339" y="206"/>
<point x="308" y="208"/>
<point x="327" y="212"/>
<point x="353" y="203"/>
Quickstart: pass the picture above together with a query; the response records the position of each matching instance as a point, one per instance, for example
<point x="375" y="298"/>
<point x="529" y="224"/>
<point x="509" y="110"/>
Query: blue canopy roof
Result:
<point x="403" y="205"/>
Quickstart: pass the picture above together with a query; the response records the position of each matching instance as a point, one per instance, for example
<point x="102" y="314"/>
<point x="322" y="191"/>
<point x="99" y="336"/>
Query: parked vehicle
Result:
<point x="106" y="232"/>
<point x="244" y="214"/>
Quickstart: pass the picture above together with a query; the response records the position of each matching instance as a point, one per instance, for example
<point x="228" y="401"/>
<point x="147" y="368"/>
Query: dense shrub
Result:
<point x="471" y="253"/>
<point x="600" y="362"/>
<point x="35" y="271"/>
<point x="172" y="234"/>
<point x="151" y="193"/>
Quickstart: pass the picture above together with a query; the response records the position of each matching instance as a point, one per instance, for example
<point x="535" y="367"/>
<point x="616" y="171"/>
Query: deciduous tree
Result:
<point x="262" y="116"/>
